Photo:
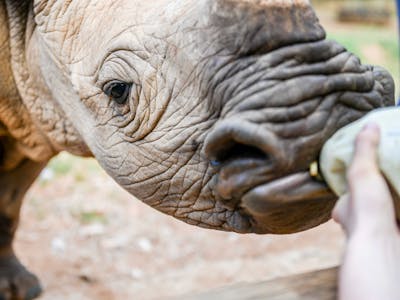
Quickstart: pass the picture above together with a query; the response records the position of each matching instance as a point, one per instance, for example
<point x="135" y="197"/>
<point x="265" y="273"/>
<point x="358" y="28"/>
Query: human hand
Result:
<point x="371" y="265"/>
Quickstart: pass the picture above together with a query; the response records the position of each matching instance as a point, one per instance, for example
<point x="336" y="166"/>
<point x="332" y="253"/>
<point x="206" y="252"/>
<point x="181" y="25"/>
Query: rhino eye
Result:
<point x="117" y="91"/>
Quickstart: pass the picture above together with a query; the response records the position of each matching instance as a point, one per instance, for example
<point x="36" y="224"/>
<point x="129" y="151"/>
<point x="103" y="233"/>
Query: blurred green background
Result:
<point x="373" y="43"/>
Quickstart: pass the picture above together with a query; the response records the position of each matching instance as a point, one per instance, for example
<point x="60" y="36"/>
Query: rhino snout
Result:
<point x="258" y="174"/>
<point x="271" y="130"/>
<point x="236" y="147"/>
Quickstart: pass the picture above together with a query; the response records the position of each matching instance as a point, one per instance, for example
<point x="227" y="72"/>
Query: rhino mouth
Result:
<point x="248" y="181"/>
<point x="298" y="194"/>
<point x="246" y="176"/>
<point x="268" y="135"/>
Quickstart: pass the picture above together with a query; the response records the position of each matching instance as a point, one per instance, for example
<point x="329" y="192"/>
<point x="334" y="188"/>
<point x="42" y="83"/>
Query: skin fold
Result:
<point x="210" y="111"/>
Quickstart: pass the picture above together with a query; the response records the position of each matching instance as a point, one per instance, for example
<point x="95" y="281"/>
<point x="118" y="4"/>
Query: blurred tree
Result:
<point x="365" y="11"/>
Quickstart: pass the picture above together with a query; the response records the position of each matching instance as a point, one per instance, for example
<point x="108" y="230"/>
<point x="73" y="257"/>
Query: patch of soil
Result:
<point x="375" y="53"/>
<point x="87" y="238"/>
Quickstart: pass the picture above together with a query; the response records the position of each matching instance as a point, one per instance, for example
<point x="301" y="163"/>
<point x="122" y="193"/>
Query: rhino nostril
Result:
<point x="233" y="151"/>
<point x="242" y="145"/>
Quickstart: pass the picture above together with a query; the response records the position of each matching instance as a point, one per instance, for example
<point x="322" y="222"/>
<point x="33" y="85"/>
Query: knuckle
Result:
<point x="367" y="137"/>
<point x="360" y="138"/>
<point x="363" y="138"/>
<point x="355" y="172"/>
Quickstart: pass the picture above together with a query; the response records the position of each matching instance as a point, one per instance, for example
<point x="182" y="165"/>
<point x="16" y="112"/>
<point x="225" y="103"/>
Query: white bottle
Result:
<point x="337" y="152"/>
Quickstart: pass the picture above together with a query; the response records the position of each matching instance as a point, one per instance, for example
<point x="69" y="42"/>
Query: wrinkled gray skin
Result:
<point x="229" y="102"/>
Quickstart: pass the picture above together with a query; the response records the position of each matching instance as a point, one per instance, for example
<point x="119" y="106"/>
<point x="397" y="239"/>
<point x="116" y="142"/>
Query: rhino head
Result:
<point x="210" y="110"/>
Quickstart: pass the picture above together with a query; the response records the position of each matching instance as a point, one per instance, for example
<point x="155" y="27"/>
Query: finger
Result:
<point x="365" y="160"/>
<point x="370" y="203"/>
<point x="364" y="175"/>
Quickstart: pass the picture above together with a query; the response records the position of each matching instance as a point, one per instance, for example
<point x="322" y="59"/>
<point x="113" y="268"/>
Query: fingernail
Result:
<point x="371" y="126"/>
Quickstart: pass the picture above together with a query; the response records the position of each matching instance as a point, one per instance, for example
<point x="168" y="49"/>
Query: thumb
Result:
<point x="370" y="198"/>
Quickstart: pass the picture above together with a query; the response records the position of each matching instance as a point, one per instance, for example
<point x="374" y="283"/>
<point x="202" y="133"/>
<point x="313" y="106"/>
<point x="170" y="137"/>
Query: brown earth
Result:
<point x="88" y="239"/>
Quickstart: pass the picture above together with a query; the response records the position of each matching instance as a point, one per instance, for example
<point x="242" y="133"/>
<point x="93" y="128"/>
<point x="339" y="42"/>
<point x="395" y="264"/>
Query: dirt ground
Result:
<point x="86" y="238"/>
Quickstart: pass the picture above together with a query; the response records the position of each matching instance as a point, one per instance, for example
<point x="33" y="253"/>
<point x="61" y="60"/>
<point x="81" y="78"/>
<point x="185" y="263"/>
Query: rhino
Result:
<point x="210" y="111"/>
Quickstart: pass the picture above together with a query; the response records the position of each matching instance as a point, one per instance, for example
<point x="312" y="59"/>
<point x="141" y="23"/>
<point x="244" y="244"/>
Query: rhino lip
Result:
<point x="296" y="188"/>
<point x="246" y="171"/>
<point x="252" y="184"/>
<point x="276" y="204"/>
<point x="246" y="162"/>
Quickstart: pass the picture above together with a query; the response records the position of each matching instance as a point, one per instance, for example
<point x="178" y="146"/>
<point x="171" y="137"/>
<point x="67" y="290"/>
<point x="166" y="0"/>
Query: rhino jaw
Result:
<point x="283" y="204"/>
